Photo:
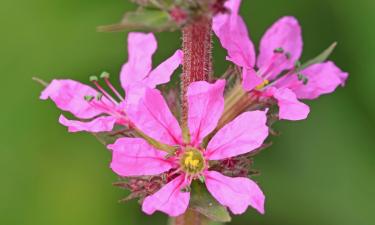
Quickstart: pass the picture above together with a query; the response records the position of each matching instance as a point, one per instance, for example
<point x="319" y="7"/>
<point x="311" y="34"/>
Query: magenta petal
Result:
<point x="162" y="74"/>
<point x="286" y="34"/>
<point x="250" y="79"/>
<point x="206" y="104"/>
<point x="169" y="199"/>
<point x="236" y="193"/>
<point x="289" y="106"/>
<point x="244" y="134"/>
<point x="147" y="109"/>
<point x="100" y="124"/>
<point x="135" y="157"/>
<point x="323" y="78"/>
<point x="141" y="47"/>
<point x="233" y="35"/>
<point x="69" y="95"/>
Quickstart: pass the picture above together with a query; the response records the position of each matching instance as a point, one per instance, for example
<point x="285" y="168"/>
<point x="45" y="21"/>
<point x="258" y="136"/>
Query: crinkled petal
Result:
<point x="169" y="199"/>
<point x="289" y="106"/>
<point x="250" y="79"/>
<point x="69" y="96"/>
<point x="162" y="74"/>
<point x="147" y="109"/>
<point x="141" y="47"/>
<point x="206" y="104"/>
<point x="286" y="34"/>
<point x="135" y="157"/>
<point x="100" y="124"/>
<point x="244" y="134"/>
<point x="236" y="193"/>
<point x="323" y="78"/>
<point x="233" y="35"/>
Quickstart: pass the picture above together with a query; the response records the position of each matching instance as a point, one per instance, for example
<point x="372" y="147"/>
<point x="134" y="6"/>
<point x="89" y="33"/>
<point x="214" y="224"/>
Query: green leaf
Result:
<point x="144" y="19"/>
<point x="202" y="201"/>
<point x="320" y="58"/>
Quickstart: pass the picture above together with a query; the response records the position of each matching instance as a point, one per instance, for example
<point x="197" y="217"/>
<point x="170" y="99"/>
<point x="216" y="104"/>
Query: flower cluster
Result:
<point x="161" y="157"/>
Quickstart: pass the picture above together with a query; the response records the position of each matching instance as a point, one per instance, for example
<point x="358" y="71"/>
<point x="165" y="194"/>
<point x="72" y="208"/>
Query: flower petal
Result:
<point x="69" y="96"/>
<point x="206" y="104"/>
<point x="169" y="199"/>
<point x="135" y="157"/>
<point x="147" y="109"/>
<point x="289" y="106"/>
<point x="250" y="79"/>
<point x="244" y="134"/>
<point x="233" y="35"/>
<point x="141" y="47"/>
<point x="236" y="193"/>
<point x="323" y="78"/>
<point x="100" y="124"/>
<point x="286" y="34"/>
<point x="162" y="74"/>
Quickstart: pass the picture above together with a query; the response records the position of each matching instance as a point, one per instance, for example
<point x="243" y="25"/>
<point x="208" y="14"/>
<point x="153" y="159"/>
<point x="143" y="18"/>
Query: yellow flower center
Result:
<point x="192" y="161"/>
<point x="262" y="85"/>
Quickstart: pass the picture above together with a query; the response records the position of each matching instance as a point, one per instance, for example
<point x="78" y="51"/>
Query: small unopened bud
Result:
<point x="93" y="78"/>
<point x="104" y="75"/>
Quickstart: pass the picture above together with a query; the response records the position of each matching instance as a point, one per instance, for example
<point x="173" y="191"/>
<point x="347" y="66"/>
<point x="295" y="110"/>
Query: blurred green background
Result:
<point x="319" y="171"/>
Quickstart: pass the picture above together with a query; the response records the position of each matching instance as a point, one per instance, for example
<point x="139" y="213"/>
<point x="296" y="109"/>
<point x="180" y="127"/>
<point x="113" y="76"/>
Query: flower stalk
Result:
<point x="197" y="59"/>
<point x="197" y="66"/>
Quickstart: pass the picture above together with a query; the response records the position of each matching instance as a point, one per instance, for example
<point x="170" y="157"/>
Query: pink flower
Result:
<point x="280" y="49"/>
<point x="149" y="112"/>
<point x="96" y="105"/>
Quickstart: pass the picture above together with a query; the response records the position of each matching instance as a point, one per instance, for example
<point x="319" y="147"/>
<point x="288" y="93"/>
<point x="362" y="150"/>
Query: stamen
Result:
<point x="94" y="79"/>
<point x="88" y="98"/>
<point x="278" y="50"/>
<point x="105" y="76"/>
<point x="279" y="58"/>
<point x="262" y="85"/>
<point x="303" y="78"/>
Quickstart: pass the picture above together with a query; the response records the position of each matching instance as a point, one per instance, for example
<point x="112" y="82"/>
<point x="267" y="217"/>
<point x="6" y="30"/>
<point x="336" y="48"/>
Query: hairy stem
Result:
<point x="197" y="66"/>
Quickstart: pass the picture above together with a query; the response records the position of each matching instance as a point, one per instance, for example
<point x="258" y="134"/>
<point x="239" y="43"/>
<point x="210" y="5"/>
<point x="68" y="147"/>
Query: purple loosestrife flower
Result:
<point x="149" y="112"/>
<point x="280" y="49"/>
<point x="96" y="105"/>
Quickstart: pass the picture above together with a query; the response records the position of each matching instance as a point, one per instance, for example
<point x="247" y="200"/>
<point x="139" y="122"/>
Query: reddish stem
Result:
<point x="197" y="66"/>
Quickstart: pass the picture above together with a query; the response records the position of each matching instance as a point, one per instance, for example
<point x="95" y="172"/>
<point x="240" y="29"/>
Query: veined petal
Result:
<point x="100" y="124"/>
<point x="69" y="95"/>
<point x="135" y="157"/>
<point x="147" y="109"/>
<point x="206" y="104"/>
<point x="286" y="34"/>
<point x="323" y="78"/>
<point x="244" y="134"/>
<point x="169" y="199"/>
<point x="250" y="79"/>
<point x="233" y="35"/>
<point x="289" y="106"/>
<point x="141" y="47"/>
<point x="162" y="74"/>
<point x="236" y="193"/>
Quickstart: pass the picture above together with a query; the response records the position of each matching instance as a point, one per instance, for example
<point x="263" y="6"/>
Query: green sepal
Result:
<point x="318" y="59"/>
<point x="143" y="19"/>
<point x="202" y="202"/>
